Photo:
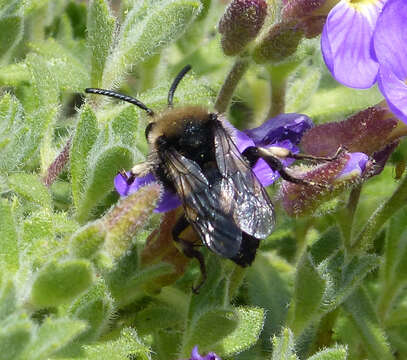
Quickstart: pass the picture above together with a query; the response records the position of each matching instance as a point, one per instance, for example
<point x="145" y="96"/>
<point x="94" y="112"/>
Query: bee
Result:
<point x="192" y="153"/>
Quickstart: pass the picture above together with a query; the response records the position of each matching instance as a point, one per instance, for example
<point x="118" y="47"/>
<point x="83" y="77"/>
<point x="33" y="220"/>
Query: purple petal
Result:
<point x="168" y="201"/>
<point x="346" y="41"/>
<point x="354" y="167"/>
<point x="195" y="354"/>
<point x="282" y="127"/>
<point x="395" y="92"/>
<point x="390" y="38"/>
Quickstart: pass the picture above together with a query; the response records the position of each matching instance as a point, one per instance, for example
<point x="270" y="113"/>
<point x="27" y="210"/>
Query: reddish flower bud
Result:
<point x="367" y="131"/>
<point x="241" y="23"/>
<point x="280" y="42"/>
<point x="330" y="179"/>
<point x="309" y="15"/>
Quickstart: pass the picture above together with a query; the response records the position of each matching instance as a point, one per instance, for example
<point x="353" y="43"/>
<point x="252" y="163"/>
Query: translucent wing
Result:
<point x="251" y="207"/>
<point x="209" y="217"/>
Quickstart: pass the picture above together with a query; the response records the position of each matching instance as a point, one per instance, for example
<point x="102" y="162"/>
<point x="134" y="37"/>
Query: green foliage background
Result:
<point x="72" y="283"/>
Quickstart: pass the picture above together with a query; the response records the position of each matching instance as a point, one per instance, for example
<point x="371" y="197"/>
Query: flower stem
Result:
<point x="278" y="84"/>
<point x="346" y="216"/>
<point x="235" y="74"/>
<point x="380" y="216"/>
<point x="57" y="165"/>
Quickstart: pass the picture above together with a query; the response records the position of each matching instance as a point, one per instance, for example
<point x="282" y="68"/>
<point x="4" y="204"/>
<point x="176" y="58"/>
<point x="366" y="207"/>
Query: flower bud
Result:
<point x="128" y="217"/>
<point x="368" y="131"/>
<point x="309" y="15"/>
<point x="280" y="42"/>
<point x="241" y="23"/>
<point x="329" y="180"/>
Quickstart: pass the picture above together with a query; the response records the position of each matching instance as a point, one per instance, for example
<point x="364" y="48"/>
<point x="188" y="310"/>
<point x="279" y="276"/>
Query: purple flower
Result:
<point x="210" y="356"/>
<point x="346" y="42"/>
<point x="365" y="42"/>
<point x="284" y="130"/>
<point x="390" y="50"/>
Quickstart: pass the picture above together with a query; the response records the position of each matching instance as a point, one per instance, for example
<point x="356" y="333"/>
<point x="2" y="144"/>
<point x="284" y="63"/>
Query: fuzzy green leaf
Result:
<point x="53" y="335"/>
<point x="216" y="324"/>
<point x="31" y="188"/>
<point x="309" y="289"/>
<point x="267" y="288"/>
<point x="14" y="74"/>
<point x="87" y="240"/>
<point x="58" y="283"/>
<point x="156" y="317"/>
<point x="339" y="102"/>
<point x="100" y="32"/>
<point x="146" y="33"/>
<point x="11" y="33"/>
<point x="283" y="346"/>
<point x="336" y="353"/>
<point x="95" y="308"/>
<point x="9" y="238"/>
<point x="85" y="136"/>
<point x="14" y="338"/>
<point x="7" y="299"/>
<point x="126" y="346"/>
<point x="103" y="167"/>
<point x="326" y="245"/>
<point x="246" y="334"/>
<point x="360" y="310"/>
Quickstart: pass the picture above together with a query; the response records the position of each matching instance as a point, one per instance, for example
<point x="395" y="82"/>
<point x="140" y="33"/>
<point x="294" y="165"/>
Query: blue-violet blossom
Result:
<point x="284" y="130"/>
<point x="366" y="41"/>
<point x="210" y="356"/>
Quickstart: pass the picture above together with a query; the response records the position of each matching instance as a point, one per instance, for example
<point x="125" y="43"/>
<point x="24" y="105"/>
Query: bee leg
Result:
<point x="188" y="250"/>
<point x="252" y="154"/>
<point x="301" y="156"/>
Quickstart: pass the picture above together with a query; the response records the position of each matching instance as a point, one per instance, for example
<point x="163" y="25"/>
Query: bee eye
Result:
<point x="148" y="129"/>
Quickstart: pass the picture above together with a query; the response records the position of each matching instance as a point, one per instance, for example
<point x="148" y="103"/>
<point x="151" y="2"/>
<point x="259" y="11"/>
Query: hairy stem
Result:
<point x="278" y="84"/>
<point x="226" y="92"/>
<point x="380" y="216"/>
<point x="57" y="165"/>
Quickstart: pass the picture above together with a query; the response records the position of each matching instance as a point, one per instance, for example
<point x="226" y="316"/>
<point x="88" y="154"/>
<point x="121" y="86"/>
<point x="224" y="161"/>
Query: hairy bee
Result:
<point x="194" y="155"/>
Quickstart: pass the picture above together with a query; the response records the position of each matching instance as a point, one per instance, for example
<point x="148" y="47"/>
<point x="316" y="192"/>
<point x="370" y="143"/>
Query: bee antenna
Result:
<point x="175" y="83"/>
<point x="123" y="97"/>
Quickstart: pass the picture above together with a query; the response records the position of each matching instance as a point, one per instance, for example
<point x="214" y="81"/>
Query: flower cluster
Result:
<point x="364" y="42"/>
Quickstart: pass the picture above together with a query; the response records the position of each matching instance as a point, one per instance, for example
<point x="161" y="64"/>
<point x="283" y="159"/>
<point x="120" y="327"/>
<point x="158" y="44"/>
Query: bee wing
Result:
<point x="213" y="222"/>
<point x="252" y="209"/>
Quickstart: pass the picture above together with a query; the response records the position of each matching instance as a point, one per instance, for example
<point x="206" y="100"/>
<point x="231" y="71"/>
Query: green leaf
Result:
<point x="309" y="288"/>
<point x="103" y="167"/>
<point x="11" y="33"/>
<point x="88" y="240"/>
<point x="95" y="308"/>
<point x="283" y="346"/>
<point x="85" y="136"/>
<point x="14" y="74"/>
<point x="336" y="353"/>
<point x="267" y="287"/>
<point x="58" y="283"/>
<point x="146" y="33"/>
<point x="360" y="310"/>
<point x="14" y="338"/>
<point x="326" y="245"/>
<point x="30" y="187"/>
<point x="246" y="334"/>
<point x="8" y="301"/>
<point x="52" y="336"/>
<point x="100" y="30"/>
<point x="69" y="72"/>
<point x="339" y="102"/>
<point x="126" y="346"/>
<point x="156" y="317"/>
<point x="9" y="254"/>
<point x="216" y="324"/>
